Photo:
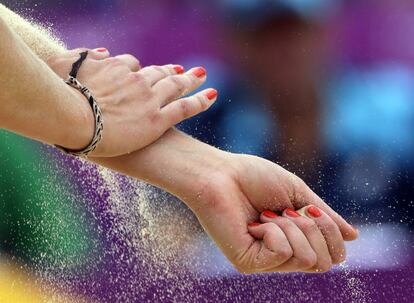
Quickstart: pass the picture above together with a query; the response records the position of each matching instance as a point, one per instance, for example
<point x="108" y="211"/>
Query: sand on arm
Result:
<point x="39" y="38"/>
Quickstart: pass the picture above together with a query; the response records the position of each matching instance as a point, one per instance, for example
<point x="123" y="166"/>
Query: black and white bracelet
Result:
<point x="73" y="82"/>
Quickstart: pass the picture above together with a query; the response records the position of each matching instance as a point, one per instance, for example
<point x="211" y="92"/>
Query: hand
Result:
<point x="138" y="105"/>
<point x="228" y="192"/>
<point x="242" y="189"/>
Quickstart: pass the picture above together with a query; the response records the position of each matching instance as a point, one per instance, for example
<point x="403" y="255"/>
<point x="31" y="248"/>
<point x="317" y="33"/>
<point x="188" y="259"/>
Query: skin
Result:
<point x="139" y="104"/>
<point x="31" y="91"/>
<point x="228" y="191"/>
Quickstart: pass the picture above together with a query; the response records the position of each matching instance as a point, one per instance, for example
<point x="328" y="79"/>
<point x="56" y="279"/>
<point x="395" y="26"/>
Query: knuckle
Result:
<point x="159" y="69"/>
<point x="134" y="60"/>
<point x="135" y="77"/>
<point x="267" y="227"/>
<point x="184" y="108"/>
<point x="329" y="227"/>
<point x="178" y="84"/>
<point x="284" y="222"/>
<point x="131" y="57"/>
<point x="285" y="253"/>
<point x="308" y="261"/>
<point x="300" y="184"/>
<point x="202" y="101"/>
<point x="113" y="61"/>
<point x="308" y="226"/>
<point x="299" y="187"/>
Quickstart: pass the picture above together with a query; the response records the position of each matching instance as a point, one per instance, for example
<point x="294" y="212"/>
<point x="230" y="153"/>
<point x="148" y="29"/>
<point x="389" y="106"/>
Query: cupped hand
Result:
<point x="243" y="190"/>
<point x="138" y="105"/>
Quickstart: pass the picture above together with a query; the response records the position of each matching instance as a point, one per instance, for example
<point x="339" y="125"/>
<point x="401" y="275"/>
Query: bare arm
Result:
<point x="34" y="101"/>
<point x="228" y="191"/>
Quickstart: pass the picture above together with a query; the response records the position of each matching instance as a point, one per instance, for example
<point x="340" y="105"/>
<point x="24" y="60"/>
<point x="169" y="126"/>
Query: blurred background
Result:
<point x="324" y="88"/>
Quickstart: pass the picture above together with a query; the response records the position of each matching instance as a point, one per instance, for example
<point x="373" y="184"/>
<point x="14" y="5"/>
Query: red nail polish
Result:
<point x="101" y="50"/>
<point x="291" y="213"/>
<point x="212" y="94"/>
<point x="200" y="72"/>
<point x="179" y="69"/>
<point x="270" y="214"/>
<point x="253" y="224"/>
<point x="313" y="211"/>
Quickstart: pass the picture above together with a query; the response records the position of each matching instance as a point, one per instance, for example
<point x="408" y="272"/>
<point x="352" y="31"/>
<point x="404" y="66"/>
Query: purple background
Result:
<point x="366" y="34"/>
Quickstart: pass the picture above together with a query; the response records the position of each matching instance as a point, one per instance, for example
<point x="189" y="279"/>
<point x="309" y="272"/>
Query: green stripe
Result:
<point x="39" y="217"/>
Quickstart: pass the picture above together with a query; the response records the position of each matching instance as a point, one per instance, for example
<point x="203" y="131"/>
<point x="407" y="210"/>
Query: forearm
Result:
<point x="168" y="163"/>
<point x="176" y="163"/>
<point x="34" y="101"/>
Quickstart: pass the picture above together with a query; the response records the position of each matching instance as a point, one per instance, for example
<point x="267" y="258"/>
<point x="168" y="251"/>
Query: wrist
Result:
<point x="190" y="168"/>
<point x="80" y="125"/>
<point x="177" y="163"/>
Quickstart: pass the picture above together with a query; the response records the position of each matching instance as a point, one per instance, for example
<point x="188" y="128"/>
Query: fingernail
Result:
<point x="101" y="50"/>
<point x="313" y="211"/>
<point x="253" y="224"/>
<point x="291" y="213"/>
<point x="179" y="69"/>
<point x="212" y="94"/>
<point x="270" y="214"/>
<point x="200" y="72"/>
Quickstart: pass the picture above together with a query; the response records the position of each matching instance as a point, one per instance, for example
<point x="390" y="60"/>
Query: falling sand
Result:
<point x="154" y="249"/>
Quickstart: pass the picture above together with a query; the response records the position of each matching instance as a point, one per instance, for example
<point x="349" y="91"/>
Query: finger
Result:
<point x="185" y="108"/>
<point x="315" y="237"/>
<point x="330" y="231"/>
<point x="273" y="249"/>
<point x="304" y="257"/>
<point x="312" y="234"/>
<point x="132" y="62"/>
<point x="97" y="53"/>
<point x="155" y="73"/>
<point x="171" y="88"/>
<point x="305" y="196"/>
<point x="73" y="52"/>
